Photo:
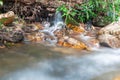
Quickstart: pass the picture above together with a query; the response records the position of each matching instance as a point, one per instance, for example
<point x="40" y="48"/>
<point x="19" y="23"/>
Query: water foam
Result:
<point x="71" y="68"/>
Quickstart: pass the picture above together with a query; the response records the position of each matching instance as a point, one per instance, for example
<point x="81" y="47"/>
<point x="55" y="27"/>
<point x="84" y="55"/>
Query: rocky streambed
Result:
<point x="52" y="50"/>
<point x="40" y="24"/>
<point x="57" y="33"/>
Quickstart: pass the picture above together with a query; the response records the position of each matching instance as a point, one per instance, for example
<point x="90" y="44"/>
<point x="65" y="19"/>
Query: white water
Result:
<point x="71" y="67"/>
<point x="57" y="24"/>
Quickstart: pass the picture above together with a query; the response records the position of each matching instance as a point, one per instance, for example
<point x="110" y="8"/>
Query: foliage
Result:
<point x="90" y="9"/>
<point x="1" y="2"/>
<point x="68" y="13"/>
<point x="0" y="25"/>
<point x="2" y="22"/>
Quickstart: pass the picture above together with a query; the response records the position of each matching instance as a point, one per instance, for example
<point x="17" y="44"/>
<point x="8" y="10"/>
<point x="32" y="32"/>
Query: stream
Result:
<point x="38" y="62"/>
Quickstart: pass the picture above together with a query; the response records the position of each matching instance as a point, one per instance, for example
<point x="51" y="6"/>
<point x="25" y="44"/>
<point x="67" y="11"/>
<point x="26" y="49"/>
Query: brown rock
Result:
<point x="33" y="37"/>
<point x="117" y="78"/>
<point x="7" y="18"/>
<point x="108" y="40"/>
<point x="109" y="35"/>
<point x="32" y="27"/>
<point x="72" y="43"/>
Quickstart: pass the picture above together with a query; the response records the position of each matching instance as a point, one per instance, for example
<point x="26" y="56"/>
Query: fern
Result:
<point x="90" y="9"/>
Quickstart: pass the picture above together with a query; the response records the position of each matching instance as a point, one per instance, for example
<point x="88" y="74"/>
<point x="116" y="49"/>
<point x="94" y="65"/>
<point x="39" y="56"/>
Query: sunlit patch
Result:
<point x="76" y="29"/>
<point x="72" y="43"/>
<point x="117" y="78"/>
<point x="80" y="45"/>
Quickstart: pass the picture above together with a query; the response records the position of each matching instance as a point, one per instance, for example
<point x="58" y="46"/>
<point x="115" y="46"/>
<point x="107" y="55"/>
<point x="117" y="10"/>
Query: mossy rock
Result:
<point x="101" y="21"/>
<point x="7" y="18"/>
<point x="6" y="21"/>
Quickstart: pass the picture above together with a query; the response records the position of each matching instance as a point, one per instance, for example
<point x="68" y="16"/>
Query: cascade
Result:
<point x="56" y="24"/>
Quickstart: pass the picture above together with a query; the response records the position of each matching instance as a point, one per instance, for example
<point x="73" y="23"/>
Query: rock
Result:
<point x="89" y="41"/>
<point x="110" y="35"/>
<point x="33" y="37"/>
<point x="117" y="78"/>
<point x="59" y="33"/>
<point x="101" y="21"/>
<point x="110" y="41"/>
<point x="14" y="36"/>
<point x="17" y="36"/>
<point x="32" y="27"/>
<point x="92" y="43"/>
<point x="2" y="45"/>
<point x="73" y="29"/>
<point x="88" y="38"/>
<point x="7" y="18"/>
<point x="72" y="43"/>
<point x="105" y="44"/>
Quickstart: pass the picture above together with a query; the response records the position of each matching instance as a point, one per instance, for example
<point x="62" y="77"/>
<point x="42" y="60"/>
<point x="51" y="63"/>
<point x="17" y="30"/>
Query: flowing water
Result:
<point x="56" y="24"/>
<point x="37" y="62"/>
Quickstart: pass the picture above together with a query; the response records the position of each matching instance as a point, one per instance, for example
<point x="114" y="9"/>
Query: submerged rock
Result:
<point x="110" y="35"/>
<point x="117" y="78"/>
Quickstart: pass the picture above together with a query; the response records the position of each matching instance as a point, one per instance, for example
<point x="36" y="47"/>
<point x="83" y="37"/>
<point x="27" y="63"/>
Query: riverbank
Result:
<point x="40" y="23"/>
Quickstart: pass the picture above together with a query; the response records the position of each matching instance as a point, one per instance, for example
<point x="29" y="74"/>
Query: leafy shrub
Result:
<point x="1" y="2"/>
<point x="68" y="14"/>
<point x="90" y="9"/>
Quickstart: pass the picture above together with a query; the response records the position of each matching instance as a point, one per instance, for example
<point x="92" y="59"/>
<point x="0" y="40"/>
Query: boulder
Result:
<point x="7" y="18"/>
<point x="72" y="43"/>
<point x="109" y="35"/>
<point x="12" y="36"/>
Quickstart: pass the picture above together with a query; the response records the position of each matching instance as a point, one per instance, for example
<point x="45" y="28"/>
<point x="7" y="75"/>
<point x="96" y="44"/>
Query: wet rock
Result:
<point x="74" y="29"/>
<point x="87" y="37"/>
<point x="2" y="45"/>
<point x="59" y="33"/>
<point x="89" y="41"/>
<point x="110" y="35"/>
<point x="105" y="44"/>
<point x="34" y="37"/>
<point x="101" y="21"/>
<point x="72" y="43"/>
<point x="12" y="36"/>
<point x="111" y="40"/>
<point x="17" y="36"/>
<point x="117" y="78"/>
<point x="32" y="27"/>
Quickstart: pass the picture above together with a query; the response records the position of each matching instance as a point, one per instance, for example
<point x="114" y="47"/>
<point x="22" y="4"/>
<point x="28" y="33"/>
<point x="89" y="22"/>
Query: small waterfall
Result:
<point x="57" y="24"/>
